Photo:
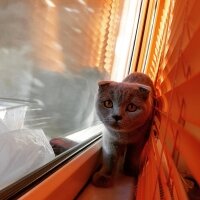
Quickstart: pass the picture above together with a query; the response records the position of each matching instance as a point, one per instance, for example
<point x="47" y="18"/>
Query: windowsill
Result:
<point x="70" y="180"/>
<point x="85" y="134"/>
<point x="124" y="188"/>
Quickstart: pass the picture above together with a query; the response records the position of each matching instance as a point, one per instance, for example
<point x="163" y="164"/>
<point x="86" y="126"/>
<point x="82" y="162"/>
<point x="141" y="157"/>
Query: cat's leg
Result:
<point x="132" y="163"/>
<point x="105" y="176"/>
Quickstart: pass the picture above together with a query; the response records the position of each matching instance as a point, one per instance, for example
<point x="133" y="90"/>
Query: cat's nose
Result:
<point x="117" y="117"/>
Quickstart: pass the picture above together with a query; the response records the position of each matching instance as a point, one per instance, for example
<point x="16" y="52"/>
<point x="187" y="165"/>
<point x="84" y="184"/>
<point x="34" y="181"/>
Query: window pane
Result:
<point x="52" y="54"/>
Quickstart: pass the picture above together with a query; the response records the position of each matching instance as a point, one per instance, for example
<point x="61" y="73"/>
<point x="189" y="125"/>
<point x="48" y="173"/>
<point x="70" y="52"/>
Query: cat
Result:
<point x="126" y="110"/>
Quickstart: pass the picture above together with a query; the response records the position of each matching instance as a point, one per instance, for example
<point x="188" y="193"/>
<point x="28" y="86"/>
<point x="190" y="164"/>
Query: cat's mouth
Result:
<point x="116" y="125"/>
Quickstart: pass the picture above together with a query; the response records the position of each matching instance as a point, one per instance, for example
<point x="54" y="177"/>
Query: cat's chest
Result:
<point x="123" y="137"/>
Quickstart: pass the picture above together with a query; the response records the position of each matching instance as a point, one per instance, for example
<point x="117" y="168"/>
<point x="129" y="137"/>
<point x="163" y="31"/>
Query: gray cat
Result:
<point x="126" y="110"/>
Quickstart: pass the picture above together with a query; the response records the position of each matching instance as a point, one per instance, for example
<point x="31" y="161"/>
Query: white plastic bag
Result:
<point x="12" y="115"/>
<point x="21" y="152"/>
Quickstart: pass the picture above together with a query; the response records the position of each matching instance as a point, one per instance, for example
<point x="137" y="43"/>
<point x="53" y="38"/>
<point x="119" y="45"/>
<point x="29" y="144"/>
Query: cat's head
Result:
<point x="124" y="106"/>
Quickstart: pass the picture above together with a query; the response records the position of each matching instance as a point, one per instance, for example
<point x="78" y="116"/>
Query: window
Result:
<point x="52" y="54"/>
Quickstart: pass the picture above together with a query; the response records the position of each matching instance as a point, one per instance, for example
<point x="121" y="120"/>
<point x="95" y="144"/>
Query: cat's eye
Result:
<point x="131" y="107"/>
<point x="108" y="104"/>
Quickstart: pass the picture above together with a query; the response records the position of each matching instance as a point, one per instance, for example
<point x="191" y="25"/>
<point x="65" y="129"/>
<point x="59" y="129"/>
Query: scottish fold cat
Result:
<point x="126" y="110"/>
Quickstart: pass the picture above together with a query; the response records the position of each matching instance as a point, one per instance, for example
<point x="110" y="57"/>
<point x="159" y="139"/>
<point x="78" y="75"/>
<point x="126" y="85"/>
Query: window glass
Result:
<point x="52" y="54"/>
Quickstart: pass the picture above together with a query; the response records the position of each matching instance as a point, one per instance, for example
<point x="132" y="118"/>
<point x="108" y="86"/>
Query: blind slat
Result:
<point x="185" y="101"/>
<point x="188" y="144"/>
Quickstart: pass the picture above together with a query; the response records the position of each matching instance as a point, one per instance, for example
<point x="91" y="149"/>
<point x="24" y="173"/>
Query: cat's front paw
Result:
<point x="102" y="180"/>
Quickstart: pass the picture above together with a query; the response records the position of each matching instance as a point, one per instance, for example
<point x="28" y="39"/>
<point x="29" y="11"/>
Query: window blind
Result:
<point x="175" y="140"/>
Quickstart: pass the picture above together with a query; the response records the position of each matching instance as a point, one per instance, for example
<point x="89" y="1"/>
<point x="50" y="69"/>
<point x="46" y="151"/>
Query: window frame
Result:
<point x="84" y="154"/>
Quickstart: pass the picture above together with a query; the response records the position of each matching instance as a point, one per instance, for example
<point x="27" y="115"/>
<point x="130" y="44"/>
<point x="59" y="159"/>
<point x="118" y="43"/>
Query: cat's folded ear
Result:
<point x="144" y="90"/>
<point x="104" y="84"/>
